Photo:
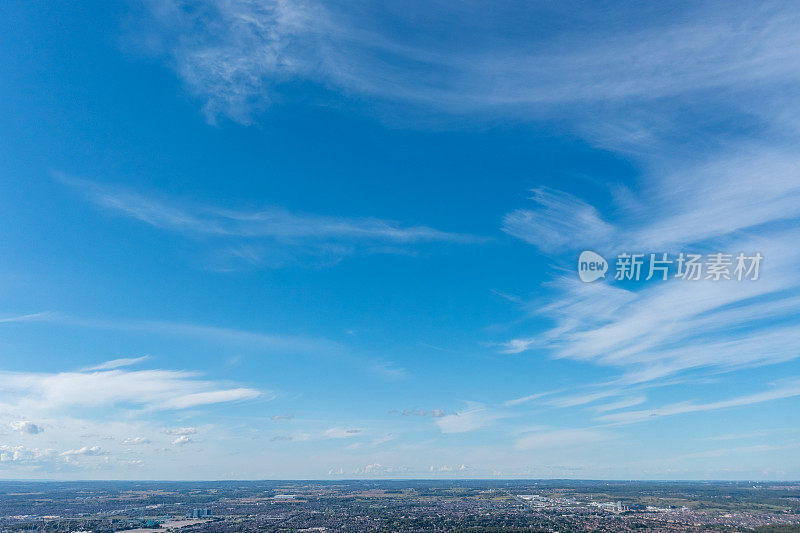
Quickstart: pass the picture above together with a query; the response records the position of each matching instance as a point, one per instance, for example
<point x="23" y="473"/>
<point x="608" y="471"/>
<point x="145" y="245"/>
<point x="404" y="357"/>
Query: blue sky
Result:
<point x="333" y="240"/>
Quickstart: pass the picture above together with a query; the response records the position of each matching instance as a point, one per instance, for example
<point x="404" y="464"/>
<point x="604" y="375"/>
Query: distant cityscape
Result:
<point x="366" y="506"/>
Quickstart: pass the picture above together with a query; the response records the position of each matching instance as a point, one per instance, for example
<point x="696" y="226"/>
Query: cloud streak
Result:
<point x="270" y="236"/>
<point x="117" y="363"/>
<point x="204" y="332"/>
<point x="145" y="389"/>
<point x="475" y="417"/>
<point x="788" y="389"/>
<point x="558" y="438"/>
<point x="655" y="330"/>
<point x="235" y="55"/>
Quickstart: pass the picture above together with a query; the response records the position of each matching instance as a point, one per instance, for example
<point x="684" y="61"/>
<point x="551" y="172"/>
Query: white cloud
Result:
<point x="620" y="404"/>
<point x="583" y="398"/>
<point x="738" y="436"/>
<point x="371" y="469"/>
<point x="186" y="330"/>
<point x="84" y="450"/>
<point x="233" y="63"/>
<point x="234" y="55"/>
<point x="117" y="363"/>
<point x="341" y="433"/>
<point x="422" y="412"/>
<point x="383" y="439"/>
<point x="526" y="399"/>
<point x="135" y="441"/>
<point x="21" y="454"/>
<point x="559" y="438"/>
<point x="474" y="417"/>
<point x="181" y="431"/>
<point x="150" y="389"/>
<point x="32" y="317"/>
<point x="559" y="221"/>
<point x="269" y="236"/>
<point x="650" y="86"/>
<point x="25" y="426"/>
<point x="205" y="398"/>
<point x="756" y="448"/>
<point x="182" y="440"/>
<point x="272" y="223"/>
<point x="660" y="329"/>
<point x="787" y="389"/>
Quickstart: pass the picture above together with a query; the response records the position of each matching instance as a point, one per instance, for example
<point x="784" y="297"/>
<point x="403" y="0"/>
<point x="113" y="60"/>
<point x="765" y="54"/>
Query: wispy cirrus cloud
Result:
<point x="558" y="438"/>
<point x="117" y="363"/>
<point x="341" y="433"/>
<point x="30" y="317"/>
<point x="270" y="236"/>
<point x="741" y="450"/>
<point x="527" y="399"/>
<point x="235" y="55"/>
<point x="146" y="389"/>
<point x="620" y="404"/>
<point x="187" y="330"/>
<point x="660" y="329"/>
<point x="475" y="416"/>
<point x="786" y="389"/>
<point x="181" y="431"/>
<point x="691" y="196"/>
<point x="655" y="88"/>
<point x="275" y="223"/>
<point x="559" y="221"/>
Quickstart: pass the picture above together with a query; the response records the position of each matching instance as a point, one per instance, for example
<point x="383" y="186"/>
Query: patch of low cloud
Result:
<point x="181" y="431"/>
<point x="22" y="454"/>
<point x="83" y="451"/>
<point x="341" y="433"/>
<point x="25" y="426"/>
<point x="136" y="441"/>
<point x="383" y="439"/>
<point x="373" y="469"/>
<point x="436" y="413"/>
